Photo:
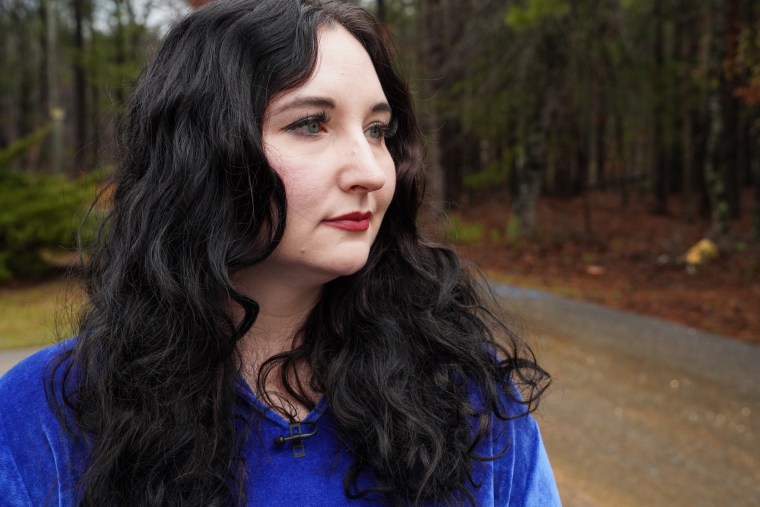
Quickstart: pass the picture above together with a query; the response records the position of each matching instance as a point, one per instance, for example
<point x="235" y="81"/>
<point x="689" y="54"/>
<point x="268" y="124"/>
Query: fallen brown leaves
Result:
<point x="631" y="260"/>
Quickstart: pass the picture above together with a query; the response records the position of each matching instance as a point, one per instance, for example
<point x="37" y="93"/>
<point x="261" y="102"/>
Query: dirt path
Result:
<point x="644" y="412"/>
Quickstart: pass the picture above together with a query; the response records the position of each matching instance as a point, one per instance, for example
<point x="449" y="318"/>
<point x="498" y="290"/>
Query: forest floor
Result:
<point x="632" y="260"/>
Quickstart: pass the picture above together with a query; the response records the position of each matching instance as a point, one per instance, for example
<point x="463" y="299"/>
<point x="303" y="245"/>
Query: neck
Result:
<point x="284" y="305"/>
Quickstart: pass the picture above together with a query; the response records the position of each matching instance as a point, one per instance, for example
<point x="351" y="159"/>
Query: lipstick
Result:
<point x="355" y="221"/>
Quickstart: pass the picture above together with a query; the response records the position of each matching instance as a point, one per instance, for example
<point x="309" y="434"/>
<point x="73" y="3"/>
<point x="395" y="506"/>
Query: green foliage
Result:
<point x="535" y="12"/>
<point x="16" y="150"/>
<point x="495" y="174"/>
<point x="463" y="233"/>
<point x="107" y="72"/>
<point x="514" y="229"/>
<point x="40" y="212"/>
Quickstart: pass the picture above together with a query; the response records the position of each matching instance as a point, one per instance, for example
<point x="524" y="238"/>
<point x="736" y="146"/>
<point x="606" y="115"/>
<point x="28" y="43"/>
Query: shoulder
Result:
<point x="516" y="470"/>
<point x="35" y="452"/>
<point x="22" y="388"/>
<point x="533" y="482"/>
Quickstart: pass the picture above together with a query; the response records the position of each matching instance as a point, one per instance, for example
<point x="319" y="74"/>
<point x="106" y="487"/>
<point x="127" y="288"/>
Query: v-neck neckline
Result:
<point x="274" y="416"/>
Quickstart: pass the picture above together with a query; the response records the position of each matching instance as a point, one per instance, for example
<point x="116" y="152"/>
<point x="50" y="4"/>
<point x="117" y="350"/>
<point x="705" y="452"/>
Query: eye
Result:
<point x="376" y="131"/>
<point x="380" y="130"/>
<point x="309" y="125"/>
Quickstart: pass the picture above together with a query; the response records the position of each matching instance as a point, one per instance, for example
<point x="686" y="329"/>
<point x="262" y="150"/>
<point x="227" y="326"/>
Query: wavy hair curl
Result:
<point x="397" y="348"/>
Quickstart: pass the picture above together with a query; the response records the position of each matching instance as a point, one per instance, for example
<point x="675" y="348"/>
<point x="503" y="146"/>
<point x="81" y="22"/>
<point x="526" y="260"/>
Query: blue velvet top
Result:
<point x="40" y="463"/>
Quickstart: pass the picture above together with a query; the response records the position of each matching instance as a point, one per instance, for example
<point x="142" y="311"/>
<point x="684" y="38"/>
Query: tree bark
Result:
<point x="623" y="173"/>
<point x="757" y="196"/>
<point x="729" y="83"/>
<point x="94" y="93"/>
<point x="26" y="86"/>
<point x="120" y="56"/>
<point x="528" y="170"/>
<point x="715" y="159"/>
<point x="5" y="100"/>
<point x="41" y="158"/>
<point x="601" y="143"/>
<point x="80" y="89"/>
<point x="661" y="169"/>
<point x="56" y="113"/>
<point x="432" y="61"/>
<point x="688" y="54"/>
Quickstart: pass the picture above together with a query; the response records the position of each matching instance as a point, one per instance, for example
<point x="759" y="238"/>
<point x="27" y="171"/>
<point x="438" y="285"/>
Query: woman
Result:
<point x="265" y="324"/>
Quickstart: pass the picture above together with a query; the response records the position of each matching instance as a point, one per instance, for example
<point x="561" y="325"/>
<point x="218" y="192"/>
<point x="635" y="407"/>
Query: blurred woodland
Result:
<point x="560" y="97"/>
<point x="602" y="104"/>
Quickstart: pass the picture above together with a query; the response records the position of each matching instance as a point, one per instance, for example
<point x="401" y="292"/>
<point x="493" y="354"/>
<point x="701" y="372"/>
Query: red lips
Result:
<point x="354" y="221"/>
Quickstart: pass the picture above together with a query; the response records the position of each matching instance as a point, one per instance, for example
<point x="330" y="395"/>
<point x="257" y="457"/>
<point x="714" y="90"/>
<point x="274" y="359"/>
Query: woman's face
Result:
<point x="325" y="139"/>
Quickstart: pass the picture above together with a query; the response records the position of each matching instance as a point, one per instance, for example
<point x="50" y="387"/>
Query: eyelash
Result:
<point x="321" y="117"/>
<point x="388" y="129"/>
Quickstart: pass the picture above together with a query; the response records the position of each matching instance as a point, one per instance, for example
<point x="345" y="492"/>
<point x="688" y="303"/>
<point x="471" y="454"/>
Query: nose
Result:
<point x="363" y="168"/>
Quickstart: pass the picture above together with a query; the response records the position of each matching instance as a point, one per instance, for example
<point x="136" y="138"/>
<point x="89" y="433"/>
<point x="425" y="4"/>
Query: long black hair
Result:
<point x="401" y="348"/>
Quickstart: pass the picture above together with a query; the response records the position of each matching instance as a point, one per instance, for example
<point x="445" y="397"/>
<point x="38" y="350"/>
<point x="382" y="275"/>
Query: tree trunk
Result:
<point x="431" y="60"/>
<point x="689" y="52"/>
<point x="661" y="176"/>
<point x="756" y="171"/>
<point x="80" y="89"/>
<point x="56" y="112"/>
<point x="528" y="169"/>
<point x="601" y="144"/>
<point x="522" y="221"/>
<point x="7" y="93"/>
<point x="714" y="159"/>
<point x="622" y="162"/>
<point x="757" y="196"/>
<point x="729" y="83"/>
<point x="583" y="160"/>
<point x="26" y="87"/>
<point x="120" y="56"/>
<point x="93" y="80"/>
<point x="43" y="98"/>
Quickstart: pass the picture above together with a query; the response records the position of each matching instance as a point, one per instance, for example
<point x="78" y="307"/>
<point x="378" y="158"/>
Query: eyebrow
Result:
<point x="325" y="103"/>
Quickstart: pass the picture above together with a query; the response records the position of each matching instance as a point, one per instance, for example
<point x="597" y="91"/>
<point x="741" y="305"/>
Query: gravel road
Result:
<point x="642" y="412"/>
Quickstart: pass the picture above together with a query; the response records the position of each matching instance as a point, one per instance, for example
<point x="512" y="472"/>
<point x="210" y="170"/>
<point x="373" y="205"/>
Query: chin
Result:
<point x="349" y="268"/>
<point x="346" y="265"/>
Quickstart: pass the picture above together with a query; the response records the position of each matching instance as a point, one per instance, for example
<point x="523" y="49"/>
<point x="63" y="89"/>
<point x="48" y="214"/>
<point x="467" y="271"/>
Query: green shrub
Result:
<point x="463" y="233"/>
<point x="40" y="212"/>
<point x="17" y="149"/>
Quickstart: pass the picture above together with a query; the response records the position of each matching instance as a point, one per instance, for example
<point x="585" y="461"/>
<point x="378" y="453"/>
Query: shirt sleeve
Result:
<point x="533" y="475"/>
<point x="522" y="475"/>
<point x="11" y="483"/>
<point x="38" y="461"/>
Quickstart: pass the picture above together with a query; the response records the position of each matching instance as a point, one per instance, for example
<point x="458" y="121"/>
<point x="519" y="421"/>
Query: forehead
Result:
<point x="343" y="71"/>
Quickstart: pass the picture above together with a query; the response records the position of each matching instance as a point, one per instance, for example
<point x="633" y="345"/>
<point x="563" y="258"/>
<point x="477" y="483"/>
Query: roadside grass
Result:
<point x="37" y="315"/>
<point x="527" y="282"/>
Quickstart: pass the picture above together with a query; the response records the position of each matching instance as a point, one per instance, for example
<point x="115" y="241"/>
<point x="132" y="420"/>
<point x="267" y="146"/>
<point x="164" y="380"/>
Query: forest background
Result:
<point x="601" y="149"/>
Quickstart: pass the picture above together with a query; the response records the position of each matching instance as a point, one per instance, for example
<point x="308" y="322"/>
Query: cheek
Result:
<point x="302" y="188"/>
<point x="389" y="189"/>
